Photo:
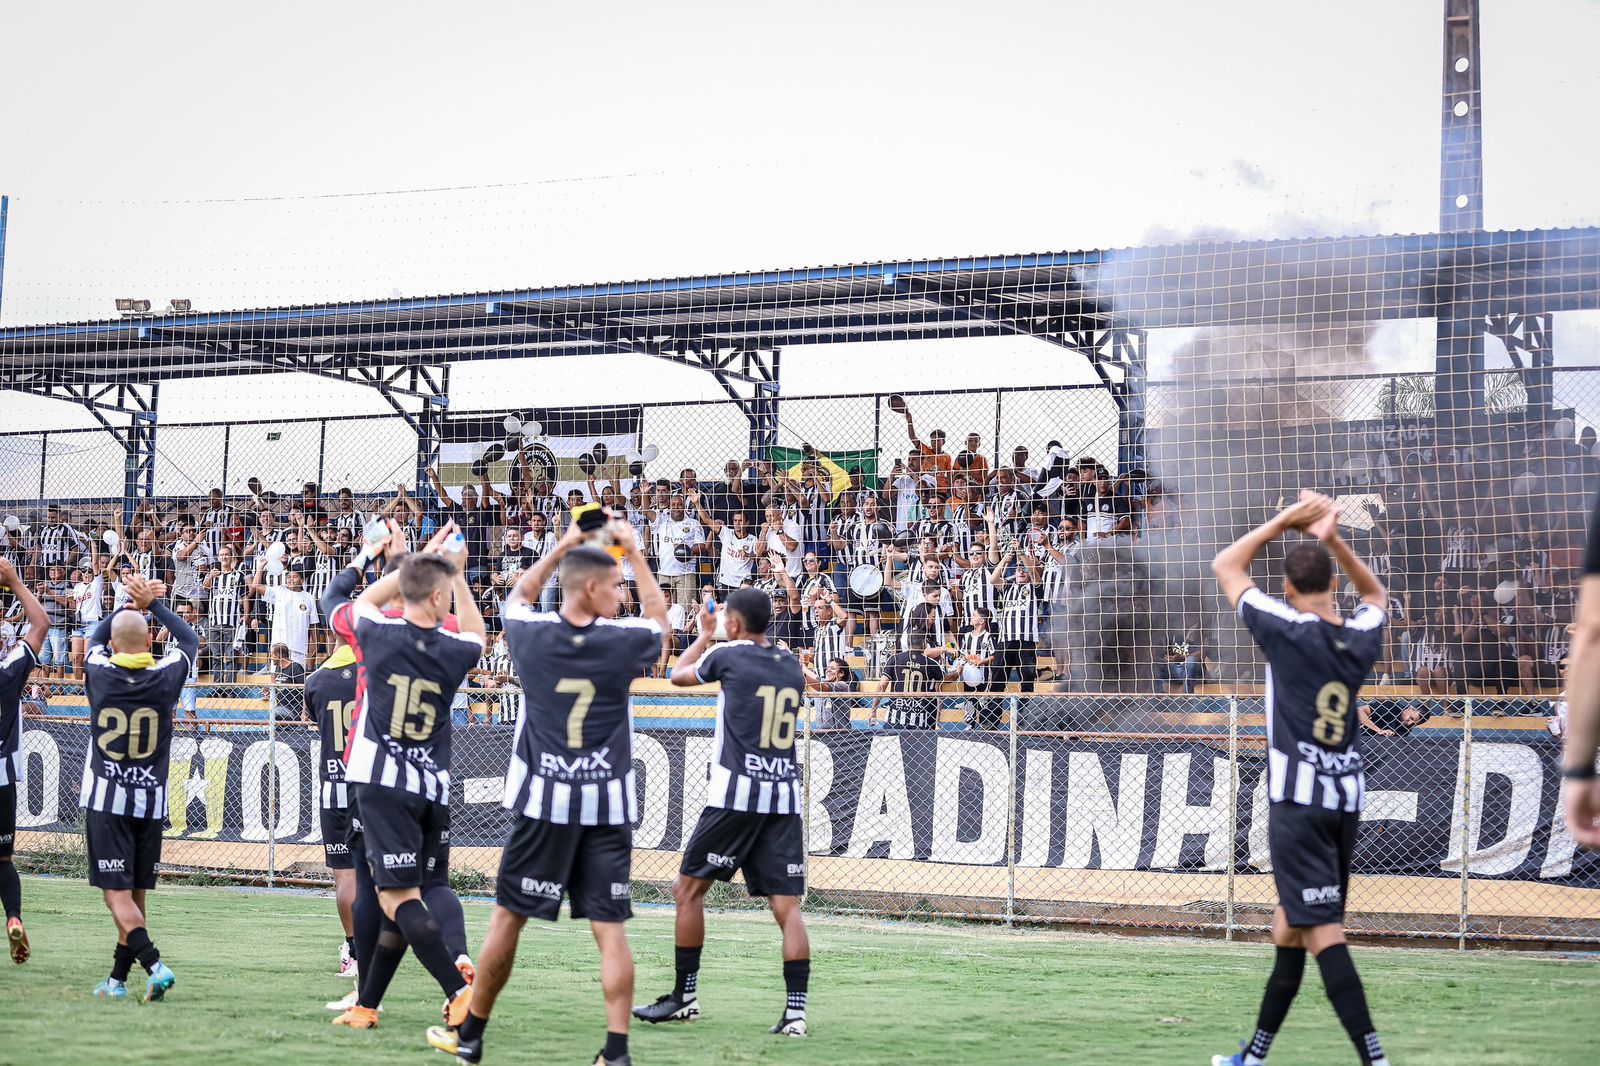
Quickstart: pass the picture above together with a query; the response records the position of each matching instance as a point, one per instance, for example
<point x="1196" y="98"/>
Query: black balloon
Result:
<point x="586" y="463"/>
<point x="600" y="451"/>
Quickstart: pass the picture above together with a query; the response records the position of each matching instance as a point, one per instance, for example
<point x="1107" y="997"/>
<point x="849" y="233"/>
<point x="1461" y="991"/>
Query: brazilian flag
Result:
<point x="837" y="464"/>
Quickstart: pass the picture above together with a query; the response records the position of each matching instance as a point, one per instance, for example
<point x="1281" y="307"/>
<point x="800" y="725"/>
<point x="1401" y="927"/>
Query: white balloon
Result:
<point x="972" y="674"/>
<point x="633" y="457"/>
<point x="274" y="552"/>
<point x="1505" y="592"/>
<point x="111" y="539"/>
<point x="649" y="452"/>
<point x="12" y="521"/>
<point x="275" y="566"/>
<point x="513" y="424"/>
<point x="532" y="429"/>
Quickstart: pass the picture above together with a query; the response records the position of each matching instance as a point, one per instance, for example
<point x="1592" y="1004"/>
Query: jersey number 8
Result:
<point x="1333" y="704"/>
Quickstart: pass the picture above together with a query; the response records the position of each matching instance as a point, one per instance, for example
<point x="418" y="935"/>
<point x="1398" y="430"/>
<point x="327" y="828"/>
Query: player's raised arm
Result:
<point x="469" y="616"/>
<point x="685" y="671"/>
<point x="1581" y="791"/>
<point x="32" y="609"/>
<point x="539" y="574"/>
<point x="1232" y="564"/>
<point x="652" y="603"/>
<point x="180" y="631"/>
<point x="1368" y="587"/>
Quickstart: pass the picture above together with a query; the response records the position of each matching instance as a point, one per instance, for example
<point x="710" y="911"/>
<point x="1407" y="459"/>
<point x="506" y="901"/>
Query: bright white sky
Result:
<point x="230" y="154"/>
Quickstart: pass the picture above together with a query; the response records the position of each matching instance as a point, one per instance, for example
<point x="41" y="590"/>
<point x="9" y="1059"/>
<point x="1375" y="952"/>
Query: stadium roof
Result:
<point x="708" y="321"/>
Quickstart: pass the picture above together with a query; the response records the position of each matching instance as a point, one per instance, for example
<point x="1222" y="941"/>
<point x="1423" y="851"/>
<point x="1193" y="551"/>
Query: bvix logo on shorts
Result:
<point x="432" y="862"/>
<point x="355" y="825"/>
<point x="797" y="869"/>
<point x="619" y="890"/>
<point x="6" y="838"/>
<point x="532" y="886"/>
<point x="112" y="866"/>
<point x="337" y="849"/>
<point x="405" y="858"/>
<point x="727" y="862"/>
<point x="444" y="836"/>
<point x="597" y="761"/>
<point x="1325" y="894"/>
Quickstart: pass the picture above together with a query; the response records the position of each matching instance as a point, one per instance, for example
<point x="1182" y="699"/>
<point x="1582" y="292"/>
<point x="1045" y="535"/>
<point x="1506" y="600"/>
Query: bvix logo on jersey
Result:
<point x="761" y="766"/>
<point x="1332" y="762"/>
<point x="132" y="776"/>
<point x="727" y="862"/>
<point x="112" y="866"/>
<point x="596" y="763"/>
<point x="532" y="886"/>
<point x="405" y="858"/>
<point x="1325" y="894"/>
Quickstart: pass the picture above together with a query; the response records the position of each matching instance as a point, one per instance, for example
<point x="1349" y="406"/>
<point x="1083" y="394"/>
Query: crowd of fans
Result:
<point x="944" y="572"/>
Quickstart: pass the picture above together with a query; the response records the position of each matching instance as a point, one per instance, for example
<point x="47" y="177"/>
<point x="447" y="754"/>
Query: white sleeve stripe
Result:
<point x="630" y="623"/>
<point x="522" y="612"/>
<point x="1367" y="616"/>
<point x="1268" y="605"/>
<point x="470" y="638"/>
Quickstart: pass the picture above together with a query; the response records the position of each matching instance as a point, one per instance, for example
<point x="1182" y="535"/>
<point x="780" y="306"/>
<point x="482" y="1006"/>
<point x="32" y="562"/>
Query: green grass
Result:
<point x="254" y="969"/>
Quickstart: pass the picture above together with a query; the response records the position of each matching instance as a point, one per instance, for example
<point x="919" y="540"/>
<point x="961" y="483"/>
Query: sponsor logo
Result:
<point x="532" y="886"/>
<point x="1333" y="762"/>
<point x="6" y="838"/>
<point x="432" y="862"/>
<point x="444" y="836"/>
<point x="727" y="862"/>
<point x="335" y="770"/>
<point x="405" y="858"/>
<point x="619" y="890"/>
<point x="777" y="766"/>
<point x="130" y="776"/>
<point x="1325" y="894"/>
<point x="560" y="765"/>
<point x="112" y="866"/>
<point x="336" y="849"/>
<point x="355" y="825"/>
<point x="797" y="869"/>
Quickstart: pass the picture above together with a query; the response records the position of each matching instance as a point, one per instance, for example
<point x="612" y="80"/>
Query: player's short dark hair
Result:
<point x="422" y="575"/>
<point x="584" y="562"/>
<point x="916" y="639"/>
<point x="754" y="607"/>
<point x="1308" y="567"/>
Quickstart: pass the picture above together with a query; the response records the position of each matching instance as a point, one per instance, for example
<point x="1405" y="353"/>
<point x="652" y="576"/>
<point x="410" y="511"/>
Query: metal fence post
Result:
<point x="1466" y="820"/>
<point x="1011" y="820"/>
<point x="1233" y="808"/>
<point x="805" y="793"/>
<point x="272" y="787"/>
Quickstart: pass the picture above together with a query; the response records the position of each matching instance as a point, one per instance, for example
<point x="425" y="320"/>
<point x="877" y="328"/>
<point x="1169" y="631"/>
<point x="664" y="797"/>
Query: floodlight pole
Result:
<point x="5" y="210"/>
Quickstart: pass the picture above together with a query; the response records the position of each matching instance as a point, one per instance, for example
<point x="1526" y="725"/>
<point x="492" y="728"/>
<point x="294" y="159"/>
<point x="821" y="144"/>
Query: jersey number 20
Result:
<point x="142" y="728"/>
<point x="1333" y="704"/>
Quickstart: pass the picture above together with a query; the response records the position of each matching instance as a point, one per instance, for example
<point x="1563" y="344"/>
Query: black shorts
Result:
<point x="403" y="833"/>
<point x="336" y="838"/>
<point x="1311" y="849"/>
<point x="877" y="603"/>
<point x="8" y="820"/>
<point x="123" y="851"/>
<point x="769" y="848"/>
<point x="591" y="865"/>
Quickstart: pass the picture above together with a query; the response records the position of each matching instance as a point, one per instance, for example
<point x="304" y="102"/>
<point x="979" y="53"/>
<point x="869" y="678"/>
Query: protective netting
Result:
<point x="1098" y="748"/>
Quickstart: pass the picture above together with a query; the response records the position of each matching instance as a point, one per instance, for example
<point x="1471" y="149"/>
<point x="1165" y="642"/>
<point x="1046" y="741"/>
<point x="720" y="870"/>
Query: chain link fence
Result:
<point x="1137" y="812"/>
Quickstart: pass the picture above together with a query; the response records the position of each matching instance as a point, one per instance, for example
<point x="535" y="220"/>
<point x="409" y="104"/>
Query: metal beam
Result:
<point x="1458" y="335"/>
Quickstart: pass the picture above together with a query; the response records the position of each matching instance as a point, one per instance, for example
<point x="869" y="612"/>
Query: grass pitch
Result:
<point x="254" y="969"/>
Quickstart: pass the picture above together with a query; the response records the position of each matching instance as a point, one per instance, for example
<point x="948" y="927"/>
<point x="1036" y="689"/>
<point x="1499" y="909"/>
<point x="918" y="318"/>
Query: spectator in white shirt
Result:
<point x="677" y="535"/>
<point x="738" y="544"/>
<point x="88" y="598"/>
<point x="293" y="610"/>
<point x="784" y="535"/>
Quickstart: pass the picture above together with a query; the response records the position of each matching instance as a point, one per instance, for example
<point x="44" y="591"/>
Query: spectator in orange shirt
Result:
<point x="929" y="458"/>
<point x="971" y="459"/>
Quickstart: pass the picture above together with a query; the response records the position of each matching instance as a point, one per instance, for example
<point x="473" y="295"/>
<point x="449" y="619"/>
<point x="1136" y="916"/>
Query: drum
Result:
<point x="866" y="580"/>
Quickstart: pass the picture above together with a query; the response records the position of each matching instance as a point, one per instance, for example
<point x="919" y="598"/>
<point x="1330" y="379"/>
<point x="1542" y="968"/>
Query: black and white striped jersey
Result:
<point x="14" y="670"/>
<point x="60" y="545"/>
<point x="1315" y="670"/>
<point x="1019" y="613"/>
<point x="354" y="521"/>
<point x="331" y="699"/>
<point x="401" y="739"/>
<point x="861" y="548"/>
<point x="130" y="721"/>
<point x="225" y="607"/>
<point x="976" y="591"/>
<point x="572" y="760"/>
<point x="814" y="517"/>
<point x="912" y="672"/>
<point x="828" y="643"/>
<point x="979" y="643"/>
<point x="752" y="756"/>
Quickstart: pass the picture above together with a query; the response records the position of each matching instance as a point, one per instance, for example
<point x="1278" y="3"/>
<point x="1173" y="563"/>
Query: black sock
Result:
<point x="1343" y="985"/>
<point x="616" y="1045"/>
<point x="687" y="961"/>
<point x="445" y="906"/>
<point x="140" y="947"/>
<point x="121" y="963"/>
<point x="387" y="951"/>
<point x="367" y="917"/>
<point x="422" y="933"/>
<point x="350" y="946"/>
<point x="472" y="1028"/>
<point x="10" y="889"/>
<point x="796" y="976"/>
<point x="1287" y="969"/>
